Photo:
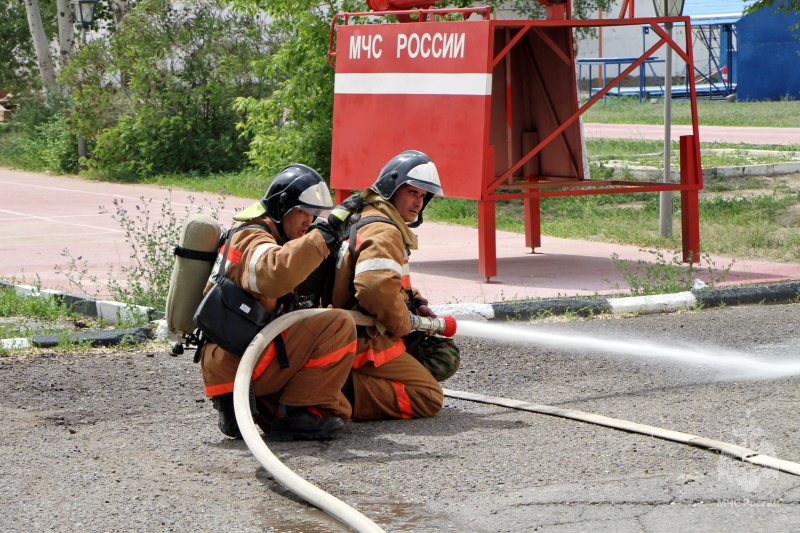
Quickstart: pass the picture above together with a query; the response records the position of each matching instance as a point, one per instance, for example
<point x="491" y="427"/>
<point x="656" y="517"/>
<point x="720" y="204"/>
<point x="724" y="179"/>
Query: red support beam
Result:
<point x="690" y="199"/>
<point x="487" y="240"/>
<point x="532" y="206"/>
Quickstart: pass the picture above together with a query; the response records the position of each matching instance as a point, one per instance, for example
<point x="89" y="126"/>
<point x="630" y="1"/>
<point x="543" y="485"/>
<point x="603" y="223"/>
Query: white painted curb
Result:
<point x="15" y="344"/>
<point x="653" y="304"/>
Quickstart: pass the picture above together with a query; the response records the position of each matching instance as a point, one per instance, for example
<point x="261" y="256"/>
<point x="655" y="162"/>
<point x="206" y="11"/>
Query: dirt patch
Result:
<point x="749" y="186"/>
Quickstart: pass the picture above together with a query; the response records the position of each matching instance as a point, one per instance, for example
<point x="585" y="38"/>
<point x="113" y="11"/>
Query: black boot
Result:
<point x="303" y="423"/>
<point x="227" y="417"/>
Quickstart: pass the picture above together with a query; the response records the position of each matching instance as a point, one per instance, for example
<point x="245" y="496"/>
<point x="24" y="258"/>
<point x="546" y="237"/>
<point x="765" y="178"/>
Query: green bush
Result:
<point x="151" y="144"/>
<point x="39" y="139"/>
<point x="157" y="95"/>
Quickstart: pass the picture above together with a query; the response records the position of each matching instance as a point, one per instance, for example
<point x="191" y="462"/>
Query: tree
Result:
<point x="780" y="6"/>
<point x="157" y="95"/>
<point x="18" y="71"/>
<point x="41" y="48"/>
<point x="66" y="31"/>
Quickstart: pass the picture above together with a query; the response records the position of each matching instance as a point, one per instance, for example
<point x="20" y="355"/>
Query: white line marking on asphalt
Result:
<point x="125" y="197"/>
<point x="104" y="229"/>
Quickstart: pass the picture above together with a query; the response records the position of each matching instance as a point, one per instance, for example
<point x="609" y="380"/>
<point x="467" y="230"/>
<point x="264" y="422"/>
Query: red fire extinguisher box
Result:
<point x="446" y="89"/>
<point x="494" y="103"/>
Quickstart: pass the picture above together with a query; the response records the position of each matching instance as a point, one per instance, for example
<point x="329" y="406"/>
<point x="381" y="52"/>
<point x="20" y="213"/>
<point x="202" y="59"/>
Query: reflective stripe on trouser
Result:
<point x="367" y="352"/>
<point x="320" y="350"/>
<point x="400" y="388"/>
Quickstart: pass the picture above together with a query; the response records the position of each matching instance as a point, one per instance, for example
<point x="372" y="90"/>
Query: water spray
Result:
<point x="735" y="364"/>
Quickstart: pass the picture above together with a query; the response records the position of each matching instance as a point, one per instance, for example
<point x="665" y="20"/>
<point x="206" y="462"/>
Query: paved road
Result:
<point x="124" y="441"/>
<point x="765" y="136"/>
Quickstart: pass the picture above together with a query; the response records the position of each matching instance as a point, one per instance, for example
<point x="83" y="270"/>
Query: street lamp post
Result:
<point x="84" y="15"/>
<point x="666" y="205"/>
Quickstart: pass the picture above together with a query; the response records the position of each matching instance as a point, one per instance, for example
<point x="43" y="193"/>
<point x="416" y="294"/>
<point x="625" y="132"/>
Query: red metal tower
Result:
<point x="493" y="102"/>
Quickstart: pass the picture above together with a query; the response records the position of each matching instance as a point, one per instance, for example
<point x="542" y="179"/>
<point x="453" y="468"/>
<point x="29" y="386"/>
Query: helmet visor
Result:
<point x="426" y="177"/>
<point x="316" y="200"/>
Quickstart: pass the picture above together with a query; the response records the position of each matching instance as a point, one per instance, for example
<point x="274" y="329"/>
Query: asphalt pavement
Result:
<point x="475" y="467"/>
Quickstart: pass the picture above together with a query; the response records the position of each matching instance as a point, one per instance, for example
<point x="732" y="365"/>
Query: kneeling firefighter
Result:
<point x="395" y="372"/>
<point x="298" y="380"/>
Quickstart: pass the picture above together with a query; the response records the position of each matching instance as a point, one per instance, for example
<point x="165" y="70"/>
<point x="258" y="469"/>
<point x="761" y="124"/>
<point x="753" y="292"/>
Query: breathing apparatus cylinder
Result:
<point x="194" y="259"/>
<point x="445" y="325"/>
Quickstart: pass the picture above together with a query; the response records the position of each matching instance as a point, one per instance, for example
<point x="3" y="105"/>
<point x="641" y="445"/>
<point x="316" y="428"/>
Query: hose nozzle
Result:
<point x="445" y="325"/>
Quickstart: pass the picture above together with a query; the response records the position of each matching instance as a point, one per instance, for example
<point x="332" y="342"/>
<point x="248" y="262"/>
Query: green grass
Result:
<point x="782" y="114"/>
<point x="247" y="184"/>
<point x="25" y="316"/>
<point x="711" y="157"/>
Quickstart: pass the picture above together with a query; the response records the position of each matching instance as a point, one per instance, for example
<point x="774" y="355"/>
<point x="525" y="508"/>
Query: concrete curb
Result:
<point x="664" y="303"/>
<point x="111" y="312"/>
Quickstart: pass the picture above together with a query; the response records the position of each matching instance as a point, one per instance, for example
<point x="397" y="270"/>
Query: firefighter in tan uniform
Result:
<point x="372" y="276"/>
<point x="297" y="382"/>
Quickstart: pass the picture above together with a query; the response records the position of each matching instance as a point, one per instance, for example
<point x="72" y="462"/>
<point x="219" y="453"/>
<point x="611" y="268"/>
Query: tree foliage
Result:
<point x="778" y="6"/>
<point x="18" y="67"/>
<point x="294" y="123"/>
<point x="157" y="96"/>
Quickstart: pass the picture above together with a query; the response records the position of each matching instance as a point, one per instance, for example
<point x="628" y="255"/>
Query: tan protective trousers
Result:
<point x="399" y="388"/>
<point x="320" y="351"/>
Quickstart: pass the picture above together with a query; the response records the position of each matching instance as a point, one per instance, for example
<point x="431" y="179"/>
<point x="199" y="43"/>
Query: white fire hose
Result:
<point x="241" y="404"/>
<point x="360" y="523"/>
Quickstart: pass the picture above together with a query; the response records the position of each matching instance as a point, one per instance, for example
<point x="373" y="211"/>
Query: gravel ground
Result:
<point x="116" y="440"/>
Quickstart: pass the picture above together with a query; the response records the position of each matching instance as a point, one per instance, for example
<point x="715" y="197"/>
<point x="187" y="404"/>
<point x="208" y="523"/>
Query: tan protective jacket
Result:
<point x="320" y="349"/>
<point x="266" y="267"/>
<point x="378" y="278"/>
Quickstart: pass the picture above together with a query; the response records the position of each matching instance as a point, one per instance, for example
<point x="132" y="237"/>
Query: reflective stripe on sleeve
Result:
<point x="251" y="266"/>
<point x="406" y="277"/>
<point x="378" y="264"/>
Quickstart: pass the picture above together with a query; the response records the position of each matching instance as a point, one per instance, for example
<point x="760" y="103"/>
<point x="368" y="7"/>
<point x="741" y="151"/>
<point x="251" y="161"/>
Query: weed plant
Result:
<point x="664" y="276"/>
<point x="152" y="232"/>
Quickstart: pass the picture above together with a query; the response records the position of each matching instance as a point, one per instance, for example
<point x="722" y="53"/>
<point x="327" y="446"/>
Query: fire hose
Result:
<point x="446" y="325"/>
<point x="241" y="403"/>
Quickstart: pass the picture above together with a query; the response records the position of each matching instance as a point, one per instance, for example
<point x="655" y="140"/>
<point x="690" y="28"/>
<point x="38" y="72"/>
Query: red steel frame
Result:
<point x="518" y="177"/>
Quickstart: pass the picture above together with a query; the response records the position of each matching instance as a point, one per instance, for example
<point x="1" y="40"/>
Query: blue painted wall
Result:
<point x="767" y="64"/>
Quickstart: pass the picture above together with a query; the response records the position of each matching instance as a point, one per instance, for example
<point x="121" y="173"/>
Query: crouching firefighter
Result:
<point x="395" y="371"/>
<point x="297" y="382"/>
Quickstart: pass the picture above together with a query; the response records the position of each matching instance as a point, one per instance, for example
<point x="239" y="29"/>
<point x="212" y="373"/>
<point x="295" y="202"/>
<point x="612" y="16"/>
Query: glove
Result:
<point x="341" y="216"/>
<point x="337" y="226"/>
<point x="333" y="238"/>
